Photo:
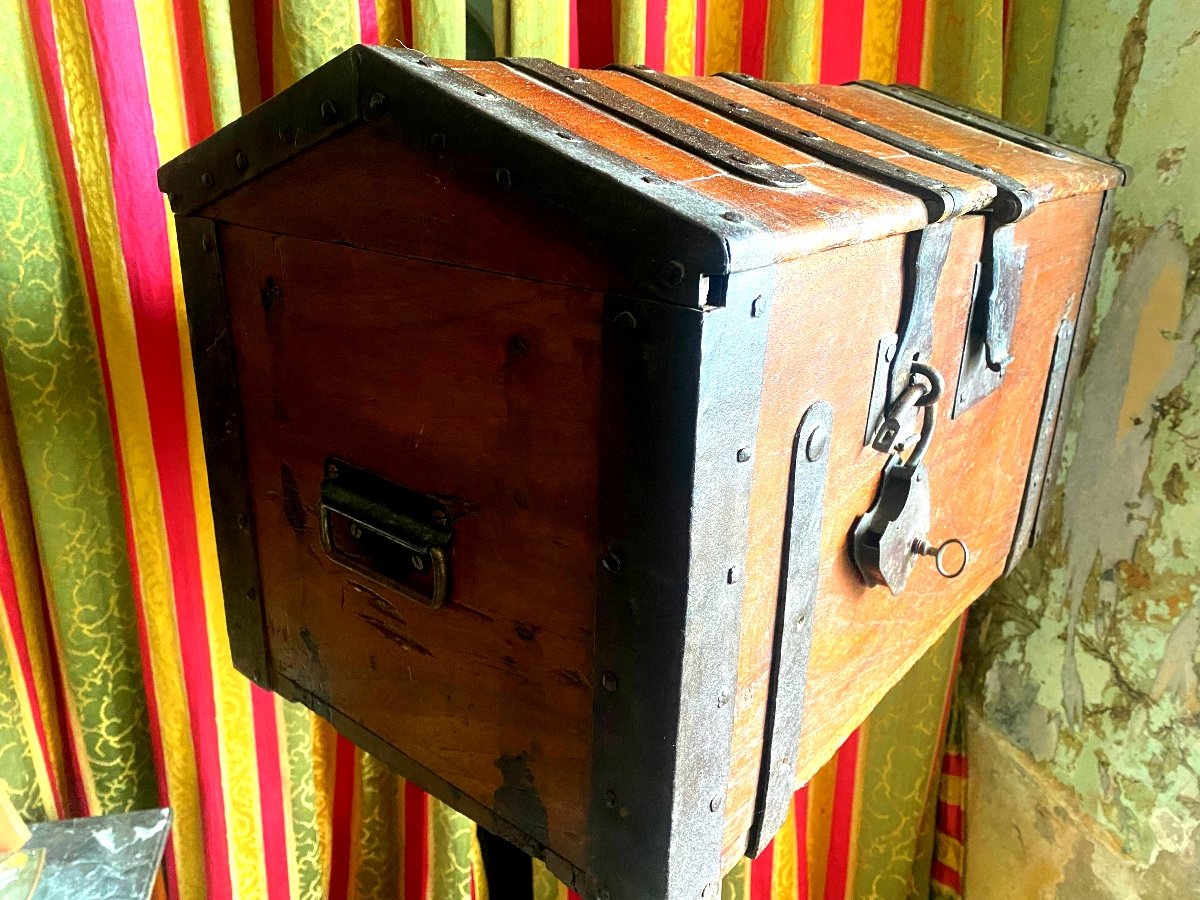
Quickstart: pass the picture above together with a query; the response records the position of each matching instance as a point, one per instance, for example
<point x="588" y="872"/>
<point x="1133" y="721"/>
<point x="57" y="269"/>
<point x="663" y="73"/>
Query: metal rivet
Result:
<point x="504" y="179"/>
<point x="206" y="243"/>
<point x="376" y="103"/>
<point x="207" y="179"/>
<point x="611" y="562"/>
<point x="962" y="398"/>
<point x="758" y="307"/>
<point x="714" y="804"/>
<point x="241" y="160"/>
<point x="643" y="67"/>
<point x="328" y="110"/>
<point x="713" y="889"/>
<point x="818" y="440"/>
<point x="356" y="531"/>
<point x="437" y="141"/>
<point x="734" y="575"/>
<point x="243" y="521"/>
<point x="603" y="895"/>
<point x="418" y="562"/>
<point x="609" y="680"/>
<point x="565" y="135"/>
<point x="331" y="471"/>
<point x="251" y="594"/>
<point x="889" y="353"/>
<point x="743" y="455"/>
<point x="722" y="699"/>
<point x="674" y="273"/>
<point x="610" y="799"/>
<point x="732" y="216"/>
<point x="650" y="179"/>
<point x="625" y="320"/>
<point x="229" y="426"/>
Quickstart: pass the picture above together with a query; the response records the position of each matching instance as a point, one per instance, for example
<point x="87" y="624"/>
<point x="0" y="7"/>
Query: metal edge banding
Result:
<point x="1035" y="481"/>
<point x="799" y="578"/>
<point x="1083" y="333"/>
<point x="682" y="393"/>
<point x="997" y="297"/>
<point x="925" y="255"/>
<point x="428" y="781"/>
<point x="1013" y="200"/>
<point x="989" y="124"/>
<point x="314" y="108"/>
<point x="941" y="200"/>
<point x="722" y="154"/>
<point x="224" y="449"/>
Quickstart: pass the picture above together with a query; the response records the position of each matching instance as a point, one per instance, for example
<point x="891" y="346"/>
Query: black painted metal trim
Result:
<point x="224" y="449"/>
<point x="799" y="579"/>
<point x="673" y="242"/>
<point x="1013" y="200"/>
<point x="684" y="135"/>
<point x="942" y="201"/>
<point x="681" y="401"/>
<point x="989" y="124"/>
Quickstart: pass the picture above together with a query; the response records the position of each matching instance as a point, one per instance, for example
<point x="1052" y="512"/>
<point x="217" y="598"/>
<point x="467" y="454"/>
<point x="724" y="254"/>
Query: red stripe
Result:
<point x="800" y="805"/>
<point x="571" y="895"/>
<point x="698" y="66"/>
<point x="754" y="36"/>
<point x="193" y="67"/>
<point x="950" y="819"/>
<point x="837" y="873"/>
<point x="344" y="766"/>
<point x="406" y="14"/>
<point x="12" y="610"/>
<point x="573" y="48"/>
<point x="841" y="40"/>
<point x="368" y="22"/>
<point x="142" y="225"/>
<point x="954" y="764"/>
<point x="46" y="43"/>
<point x="595" y="27"/>
<point x="656" y="33"/>
<point x="912" y="41"/>
<point x="943" y="874"/>
<point x="761" y="868"/>
<point x="264" y="45"/>
<point x="416" y="842"/>
<point x="270" y="792"/>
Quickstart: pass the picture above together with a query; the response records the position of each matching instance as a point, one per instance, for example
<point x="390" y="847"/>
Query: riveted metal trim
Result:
<point x="1083" y="332"/>
<point x="224" y="447"/>
<point x="799" y="579"/>
<point x="1013" y="200"/>
<point x="989" y="124"/>
<point x="672" y="241"/>
<point x="684" y="135"/>
<point x="681" y="402"/>
<point x="942" y="201"/>
<point x="1035" y="481"/>
<point x="428" y="781"/>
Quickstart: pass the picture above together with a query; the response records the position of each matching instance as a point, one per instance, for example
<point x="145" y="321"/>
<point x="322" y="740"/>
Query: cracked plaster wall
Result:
<point x="1086" y="657"/>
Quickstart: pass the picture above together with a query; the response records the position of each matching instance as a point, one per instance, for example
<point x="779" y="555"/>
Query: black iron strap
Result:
<point x="679" y="134"/>
<point x="1013" y="200"/>
<point x="941" y="200"/>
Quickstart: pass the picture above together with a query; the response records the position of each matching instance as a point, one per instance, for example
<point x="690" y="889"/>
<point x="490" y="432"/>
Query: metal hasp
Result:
<point x="724" y="155"/>
<point x="1035" y="482"/>
<point x="798" y="580"/>
<point x="680" y="400"/>
<point x="386" y="532"/>
<point x="942" y="201"/>
<point x="986" y="350"/>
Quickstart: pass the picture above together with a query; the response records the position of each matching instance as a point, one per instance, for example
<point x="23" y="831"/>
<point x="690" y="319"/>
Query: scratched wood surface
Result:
<point x="452" y="382"/>
<point x="445" y="334"/>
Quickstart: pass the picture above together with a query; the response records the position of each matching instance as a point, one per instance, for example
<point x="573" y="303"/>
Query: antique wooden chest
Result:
<point x="571" y="436"/>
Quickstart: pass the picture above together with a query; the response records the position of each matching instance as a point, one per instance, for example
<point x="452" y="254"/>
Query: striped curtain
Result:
<point x="116" y="690"/>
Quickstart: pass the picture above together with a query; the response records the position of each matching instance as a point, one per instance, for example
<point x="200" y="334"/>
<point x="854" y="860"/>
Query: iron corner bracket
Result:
<point x="224" y="447"/>
<point x="673" y="242"/>
<point x="682" y="395"/>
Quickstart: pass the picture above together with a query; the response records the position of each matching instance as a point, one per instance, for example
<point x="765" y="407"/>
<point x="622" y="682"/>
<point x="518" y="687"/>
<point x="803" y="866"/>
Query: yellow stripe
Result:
<point x="18" y="538"/>
<point x="949" y="852"/>
<point x="820" y="809"/>
<point x="881" y="35"/>
<point x="783" y="864"/>
<point x="792" y="51"/>
<point x="680" y="50"/>
<point x="285" y="771"/>
<point x="952" y="789"/>
<point x="324" y="758"/>
<point x="440" y="29"/>
<point x="723" y="36"/>
<point x="631" y="31"/>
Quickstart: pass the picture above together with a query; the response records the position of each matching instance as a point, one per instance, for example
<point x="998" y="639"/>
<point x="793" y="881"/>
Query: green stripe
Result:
<point x="60" y="414"/>
<point x="378" y="872"/>
<point x="967" y="52"/>
<point x="306" y="831"/>
<point x="315" y="31"/>
<point x="451" y="834"/>
<point x="1032" y="26"/>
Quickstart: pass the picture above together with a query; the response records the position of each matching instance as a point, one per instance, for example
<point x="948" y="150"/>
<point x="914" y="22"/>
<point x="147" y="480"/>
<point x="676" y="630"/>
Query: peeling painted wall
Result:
<point x="1086" y="657"/>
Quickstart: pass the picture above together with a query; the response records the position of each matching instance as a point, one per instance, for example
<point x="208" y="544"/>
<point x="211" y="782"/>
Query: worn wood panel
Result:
<point x="476" y="387"/>
<point x="829" y="314"/>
